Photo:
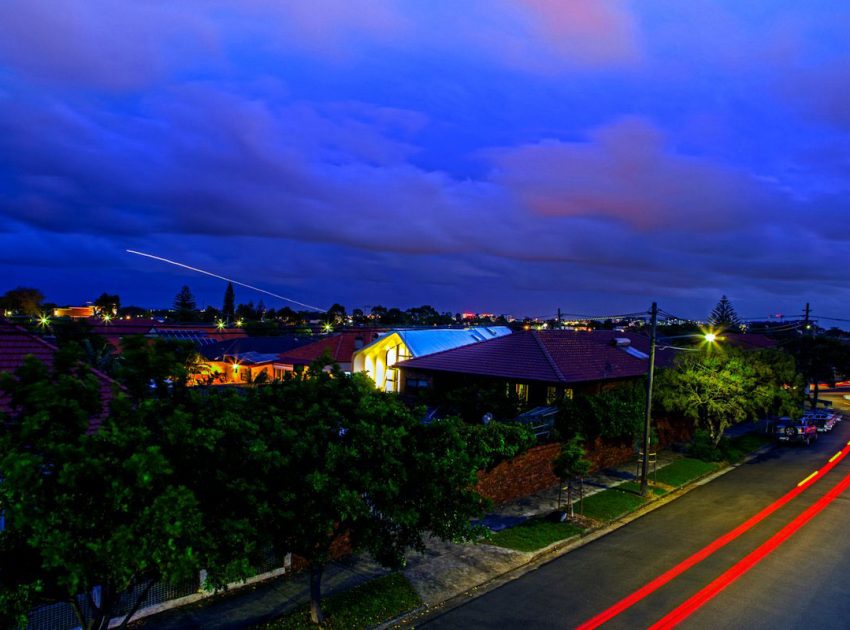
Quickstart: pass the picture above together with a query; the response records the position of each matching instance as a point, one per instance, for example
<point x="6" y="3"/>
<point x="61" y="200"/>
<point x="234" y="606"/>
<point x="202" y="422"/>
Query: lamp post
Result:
<point x="710" y="337"/>
<point x="644" y="467"/>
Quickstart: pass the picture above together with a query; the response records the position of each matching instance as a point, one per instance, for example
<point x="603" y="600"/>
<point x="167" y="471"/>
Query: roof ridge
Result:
<point x="549" y="358"/>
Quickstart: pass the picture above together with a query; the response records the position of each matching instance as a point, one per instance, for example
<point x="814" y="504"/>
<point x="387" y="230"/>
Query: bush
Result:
<point x="702" y="447"/>
<point x="615" y="415"/>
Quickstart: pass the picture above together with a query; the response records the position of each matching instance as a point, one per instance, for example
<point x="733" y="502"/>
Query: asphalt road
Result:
<point x="802" y="583"/>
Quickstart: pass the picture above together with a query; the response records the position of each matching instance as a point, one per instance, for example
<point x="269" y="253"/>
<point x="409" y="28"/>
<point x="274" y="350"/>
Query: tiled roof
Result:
<point x="263" y="345"/>
<point x="16" y="344"/>
<point x="340" y="346"/>
<point x="551" y="356"/>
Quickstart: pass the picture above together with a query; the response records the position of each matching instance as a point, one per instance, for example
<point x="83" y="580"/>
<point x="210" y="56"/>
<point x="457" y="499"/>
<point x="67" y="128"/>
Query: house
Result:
<point x="341" y="348"/>
<point x="244" y="359"/>
<point x="74" y="312"/>
<point x="378" y="358"/>
<point x="540" y="366"/>
<point x="16" y="344"/>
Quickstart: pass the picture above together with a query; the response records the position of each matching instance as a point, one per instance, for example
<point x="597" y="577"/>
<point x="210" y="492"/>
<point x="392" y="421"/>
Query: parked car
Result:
<point x="803" y="430"/>
<point x="824" y="419"/>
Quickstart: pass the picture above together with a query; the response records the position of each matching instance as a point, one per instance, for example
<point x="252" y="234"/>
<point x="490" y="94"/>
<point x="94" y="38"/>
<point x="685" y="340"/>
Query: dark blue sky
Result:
<point x="487" y="155"/>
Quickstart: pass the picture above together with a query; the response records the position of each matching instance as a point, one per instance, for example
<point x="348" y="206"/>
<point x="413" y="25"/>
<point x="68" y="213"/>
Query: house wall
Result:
<point x="377" y="359"/>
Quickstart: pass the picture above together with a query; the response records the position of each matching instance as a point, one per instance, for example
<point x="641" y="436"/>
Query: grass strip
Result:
<point x="611" y="504"/>
<point x="681" y="471"/>
<point x="534" y="534"/>
<point x="369" y="604"/>
<point x="634" y="486"/>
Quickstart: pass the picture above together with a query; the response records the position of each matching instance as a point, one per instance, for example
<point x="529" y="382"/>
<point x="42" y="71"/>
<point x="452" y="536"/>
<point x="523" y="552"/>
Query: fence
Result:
<point x="162" y="596"/>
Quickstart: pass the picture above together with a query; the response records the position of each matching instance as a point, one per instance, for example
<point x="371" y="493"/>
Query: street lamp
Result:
<point x="710" y="337"/>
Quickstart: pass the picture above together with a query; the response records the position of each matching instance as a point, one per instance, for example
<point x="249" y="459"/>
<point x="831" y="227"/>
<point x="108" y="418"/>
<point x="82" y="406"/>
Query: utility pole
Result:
<point x="644" y="471"/>
<point x="558" y="321"/>
<point x="806" y="321"/>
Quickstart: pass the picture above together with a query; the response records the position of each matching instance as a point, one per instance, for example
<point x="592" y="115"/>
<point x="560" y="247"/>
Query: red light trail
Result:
<point x="705" y="552"/>
<point x="693" y="603"/>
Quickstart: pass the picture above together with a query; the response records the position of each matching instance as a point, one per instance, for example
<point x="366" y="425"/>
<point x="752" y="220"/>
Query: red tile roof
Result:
<point x="16" y="344"/>
<point x="551" y="356"/>
<point x="340" y="346"/>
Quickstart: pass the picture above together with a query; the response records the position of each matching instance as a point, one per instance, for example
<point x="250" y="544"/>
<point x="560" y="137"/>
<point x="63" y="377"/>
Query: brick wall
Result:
<point x="523" y="475"/>
<point x="531" y="471"/>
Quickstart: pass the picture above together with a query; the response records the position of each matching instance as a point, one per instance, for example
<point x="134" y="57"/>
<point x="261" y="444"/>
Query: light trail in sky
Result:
<point x="215" y="275"/>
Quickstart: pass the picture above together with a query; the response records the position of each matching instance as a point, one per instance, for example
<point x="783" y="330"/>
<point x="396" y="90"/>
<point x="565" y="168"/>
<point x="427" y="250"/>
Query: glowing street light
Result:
<point x="328" y="327"/>
<point x="107" y="317"/>
<point x="220" y="325"/>
<point x="44" y="321"/>
<point x="710" y="338"/>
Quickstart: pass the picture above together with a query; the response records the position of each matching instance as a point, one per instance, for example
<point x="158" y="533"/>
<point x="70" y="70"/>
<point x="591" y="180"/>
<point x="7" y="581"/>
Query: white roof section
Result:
<point x="430" y="340"/>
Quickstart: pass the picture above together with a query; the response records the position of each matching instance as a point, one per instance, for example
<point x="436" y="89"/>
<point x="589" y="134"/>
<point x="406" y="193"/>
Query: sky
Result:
<point x="508" y="156"/>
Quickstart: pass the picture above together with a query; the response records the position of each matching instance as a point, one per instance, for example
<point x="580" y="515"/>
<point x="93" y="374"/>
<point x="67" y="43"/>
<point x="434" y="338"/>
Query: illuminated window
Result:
<point x="551" y="395"/>
<point x="522" y="391"/>
<point x="568" y="393"/>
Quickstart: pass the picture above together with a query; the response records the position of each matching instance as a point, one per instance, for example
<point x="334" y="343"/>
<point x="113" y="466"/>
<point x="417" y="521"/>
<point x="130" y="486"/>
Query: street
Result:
<point x="800" y="578"/>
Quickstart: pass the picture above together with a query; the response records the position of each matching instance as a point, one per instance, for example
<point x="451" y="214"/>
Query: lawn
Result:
<point x="369" y="604"/>
<point x="634" y="486"/>
<point x="534" y="534"/>
<point x="684" y="470"/>
<point x="610" y="504"/>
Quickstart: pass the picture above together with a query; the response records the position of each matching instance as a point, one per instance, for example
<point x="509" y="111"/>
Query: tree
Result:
<point x="107" y="304"/>
<point x="336" y="315"/>
<point x="126" y="522"/>
<point x="228" y="309"/>
<point x="723" y="315"/>
<point x="820" y="359"/>
<point x="350" y="463"/>
<point x="722" y="388"/>
<point x="184" y="304"/>
<point x="570" y="465"/>
<point x="23" y="300"/>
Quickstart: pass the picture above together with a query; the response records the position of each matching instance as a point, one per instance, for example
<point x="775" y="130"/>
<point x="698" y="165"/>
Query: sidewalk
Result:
<point x="443" y="571"/>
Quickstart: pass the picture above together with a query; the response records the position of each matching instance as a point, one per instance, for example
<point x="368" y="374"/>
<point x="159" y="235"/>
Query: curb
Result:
<point x="560" y="548"/>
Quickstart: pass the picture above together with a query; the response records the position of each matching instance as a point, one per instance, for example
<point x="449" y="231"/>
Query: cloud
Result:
<point x="625" y="172"/>
<point x="101" y="43"/>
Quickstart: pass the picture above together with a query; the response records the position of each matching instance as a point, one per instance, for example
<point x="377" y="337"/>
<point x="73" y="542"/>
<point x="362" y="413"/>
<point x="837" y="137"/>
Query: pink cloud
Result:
<point x="625" y="172"/>
<point x="550" y="36"/>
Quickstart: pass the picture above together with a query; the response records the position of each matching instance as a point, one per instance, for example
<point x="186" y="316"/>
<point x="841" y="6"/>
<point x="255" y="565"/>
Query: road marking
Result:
<point x="693" y="603"/>
<point x="838" y="454"/>
<point x="813" y="475"/>
<point x="652" y="586"/>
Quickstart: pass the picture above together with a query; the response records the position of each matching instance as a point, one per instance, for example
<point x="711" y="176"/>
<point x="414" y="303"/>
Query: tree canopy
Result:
<point x="228" y="309"/>
<point x="723" y="315"/>
<point x="25" y="300"/>
<point x="177" y="480"/>
<point x="720" y="388"/>
<point x="184" y="304"/>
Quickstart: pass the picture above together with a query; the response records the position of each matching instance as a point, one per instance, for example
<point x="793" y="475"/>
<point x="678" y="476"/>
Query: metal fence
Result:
<point x="61" y="616"/>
